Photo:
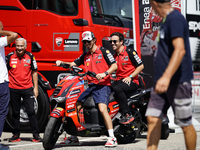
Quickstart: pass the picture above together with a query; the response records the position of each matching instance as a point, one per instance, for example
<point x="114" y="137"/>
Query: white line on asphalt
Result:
<point x="96" y="138"/>
<point x="26" y="145"/>
<point x="81" y="140"/>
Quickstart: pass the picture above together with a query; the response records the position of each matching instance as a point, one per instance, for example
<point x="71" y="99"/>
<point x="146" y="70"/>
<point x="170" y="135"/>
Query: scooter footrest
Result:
<point x="96" y="129"/>
<point x="89" y="126"/>
<point x="93" y="127"/>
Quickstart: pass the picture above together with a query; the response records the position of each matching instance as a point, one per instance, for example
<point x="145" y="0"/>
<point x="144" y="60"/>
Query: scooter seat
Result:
<point x="112" y="97"/>
<point x="89" y="103"/>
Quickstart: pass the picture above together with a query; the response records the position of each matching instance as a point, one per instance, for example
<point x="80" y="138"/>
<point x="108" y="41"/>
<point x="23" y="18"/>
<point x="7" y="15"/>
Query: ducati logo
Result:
<point x="59" y="41"/>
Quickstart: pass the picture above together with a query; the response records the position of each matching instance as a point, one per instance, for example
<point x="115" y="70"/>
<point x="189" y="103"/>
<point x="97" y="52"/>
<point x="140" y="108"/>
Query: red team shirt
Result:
<point x="98" y="62"/>
<point x="127" y="61"/>
<point x="20" y="70"/>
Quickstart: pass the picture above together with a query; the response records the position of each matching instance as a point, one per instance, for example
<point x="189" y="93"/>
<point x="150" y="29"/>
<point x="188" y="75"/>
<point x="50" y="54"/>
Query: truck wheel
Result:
<point x="51" y="133"/>
<point x="164" y="131"/>
<point x="42" y="109"/>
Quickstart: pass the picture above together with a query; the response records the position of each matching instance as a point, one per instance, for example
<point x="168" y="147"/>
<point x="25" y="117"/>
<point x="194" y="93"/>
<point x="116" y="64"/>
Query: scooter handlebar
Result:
<point x="66" y="66"/>
<point x="76" y="70"/>
<point x="92" y="74"/>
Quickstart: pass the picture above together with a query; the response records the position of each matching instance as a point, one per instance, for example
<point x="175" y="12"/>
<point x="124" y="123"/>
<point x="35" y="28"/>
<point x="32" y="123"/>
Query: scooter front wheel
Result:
<point x="51" y="133"/>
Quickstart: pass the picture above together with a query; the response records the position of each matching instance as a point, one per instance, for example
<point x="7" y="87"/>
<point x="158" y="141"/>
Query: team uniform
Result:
<point x="23" y="66"/>
<point x="179" y="92"/>
<point x="21" y="86"/>
<point x="127" y="61"/>
<point x="98" y="62"/>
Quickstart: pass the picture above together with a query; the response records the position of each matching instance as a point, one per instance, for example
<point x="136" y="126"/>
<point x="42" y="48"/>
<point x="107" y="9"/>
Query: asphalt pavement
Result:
<point x="175" y="141"/>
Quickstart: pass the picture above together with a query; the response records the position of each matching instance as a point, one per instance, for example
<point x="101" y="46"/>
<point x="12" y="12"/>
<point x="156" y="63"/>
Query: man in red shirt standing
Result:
<point x="98" y="60"/>
<point x="22" y="71"/>
<point x="129" y="66"/>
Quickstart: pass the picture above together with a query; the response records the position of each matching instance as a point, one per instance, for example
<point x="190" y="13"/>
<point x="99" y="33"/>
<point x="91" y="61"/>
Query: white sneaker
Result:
<point x="71" y="140"/>
<point x="112" y="142"/>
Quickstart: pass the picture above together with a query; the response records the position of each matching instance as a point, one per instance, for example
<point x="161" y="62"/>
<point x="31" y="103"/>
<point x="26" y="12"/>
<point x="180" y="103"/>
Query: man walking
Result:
<point x="172" y="76"/>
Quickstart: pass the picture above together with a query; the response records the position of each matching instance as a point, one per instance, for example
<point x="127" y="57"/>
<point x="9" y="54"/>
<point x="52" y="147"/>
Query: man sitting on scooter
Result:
<point x="98" y="60"/>
<point x="129" y="66"/>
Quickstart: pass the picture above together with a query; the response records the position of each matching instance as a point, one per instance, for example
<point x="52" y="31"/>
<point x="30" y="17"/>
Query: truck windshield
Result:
<point x="62" y="7"/>
<point x="121" y="8"/>
<point x="65" y="7"/>
<point x="103" y="10"/>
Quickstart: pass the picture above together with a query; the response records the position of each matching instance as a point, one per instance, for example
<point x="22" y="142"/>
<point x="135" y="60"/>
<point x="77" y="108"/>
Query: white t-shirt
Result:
<point x="3" y="68"/>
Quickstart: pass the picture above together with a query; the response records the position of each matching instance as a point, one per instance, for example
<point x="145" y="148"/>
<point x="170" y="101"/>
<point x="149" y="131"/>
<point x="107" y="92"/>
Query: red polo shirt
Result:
<point x="98" y="62"/>
<point x="20" y="70"/>
<point x="127" y="61"/>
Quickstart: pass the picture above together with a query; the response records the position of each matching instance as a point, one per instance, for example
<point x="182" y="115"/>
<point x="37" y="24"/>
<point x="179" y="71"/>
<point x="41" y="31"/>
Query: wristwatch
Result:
<point x="131" y="76"/>
<point x="106" y="73"/>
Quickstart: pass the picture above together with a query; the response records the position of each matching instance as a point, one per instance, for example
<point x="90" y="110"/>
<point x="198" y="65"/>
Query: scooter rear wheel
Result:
<point x="164" y="131"/>
<point x="51" y="133"/>
<point x="126" y="135"/>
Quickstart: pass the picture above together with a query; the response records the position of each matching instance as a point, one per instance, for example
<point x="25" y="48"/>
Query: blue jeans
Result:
<point x="4" y="104"/>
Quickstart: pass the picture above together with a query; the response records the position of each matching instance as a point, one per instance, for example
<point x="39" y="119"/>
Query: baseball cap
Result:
<point x="162" y="1"/>
<point x="87" y="36"/>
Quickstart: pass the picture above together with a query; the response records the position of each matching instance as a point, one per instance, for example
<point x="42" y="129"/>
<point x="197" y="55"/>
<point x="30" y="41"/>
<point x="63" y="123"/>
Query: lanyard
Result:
<point x="163" y="21"/>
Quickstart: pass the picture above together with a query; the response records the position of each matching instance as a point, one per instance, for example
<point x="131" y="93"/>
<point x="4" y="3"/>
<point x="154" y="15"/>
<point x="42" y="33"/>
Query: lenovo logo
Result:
<point x="71" y="41"/>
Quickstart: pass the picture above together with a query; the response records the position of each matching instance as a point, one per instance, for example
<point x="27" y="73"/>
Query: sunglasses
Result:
<point x="84" y="42"/>
<point x="113" y="41"/>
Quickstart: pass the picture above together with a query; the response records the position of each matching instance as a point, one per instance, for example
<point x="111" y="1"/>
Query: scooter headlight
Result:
<point x="62" y="97"/>
<point x="59" y="99"/>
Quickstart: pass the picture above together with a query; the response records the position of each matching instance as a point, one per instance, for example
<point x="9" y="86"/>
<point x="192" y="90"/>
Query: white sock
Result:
<point x="111" y="133"/>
